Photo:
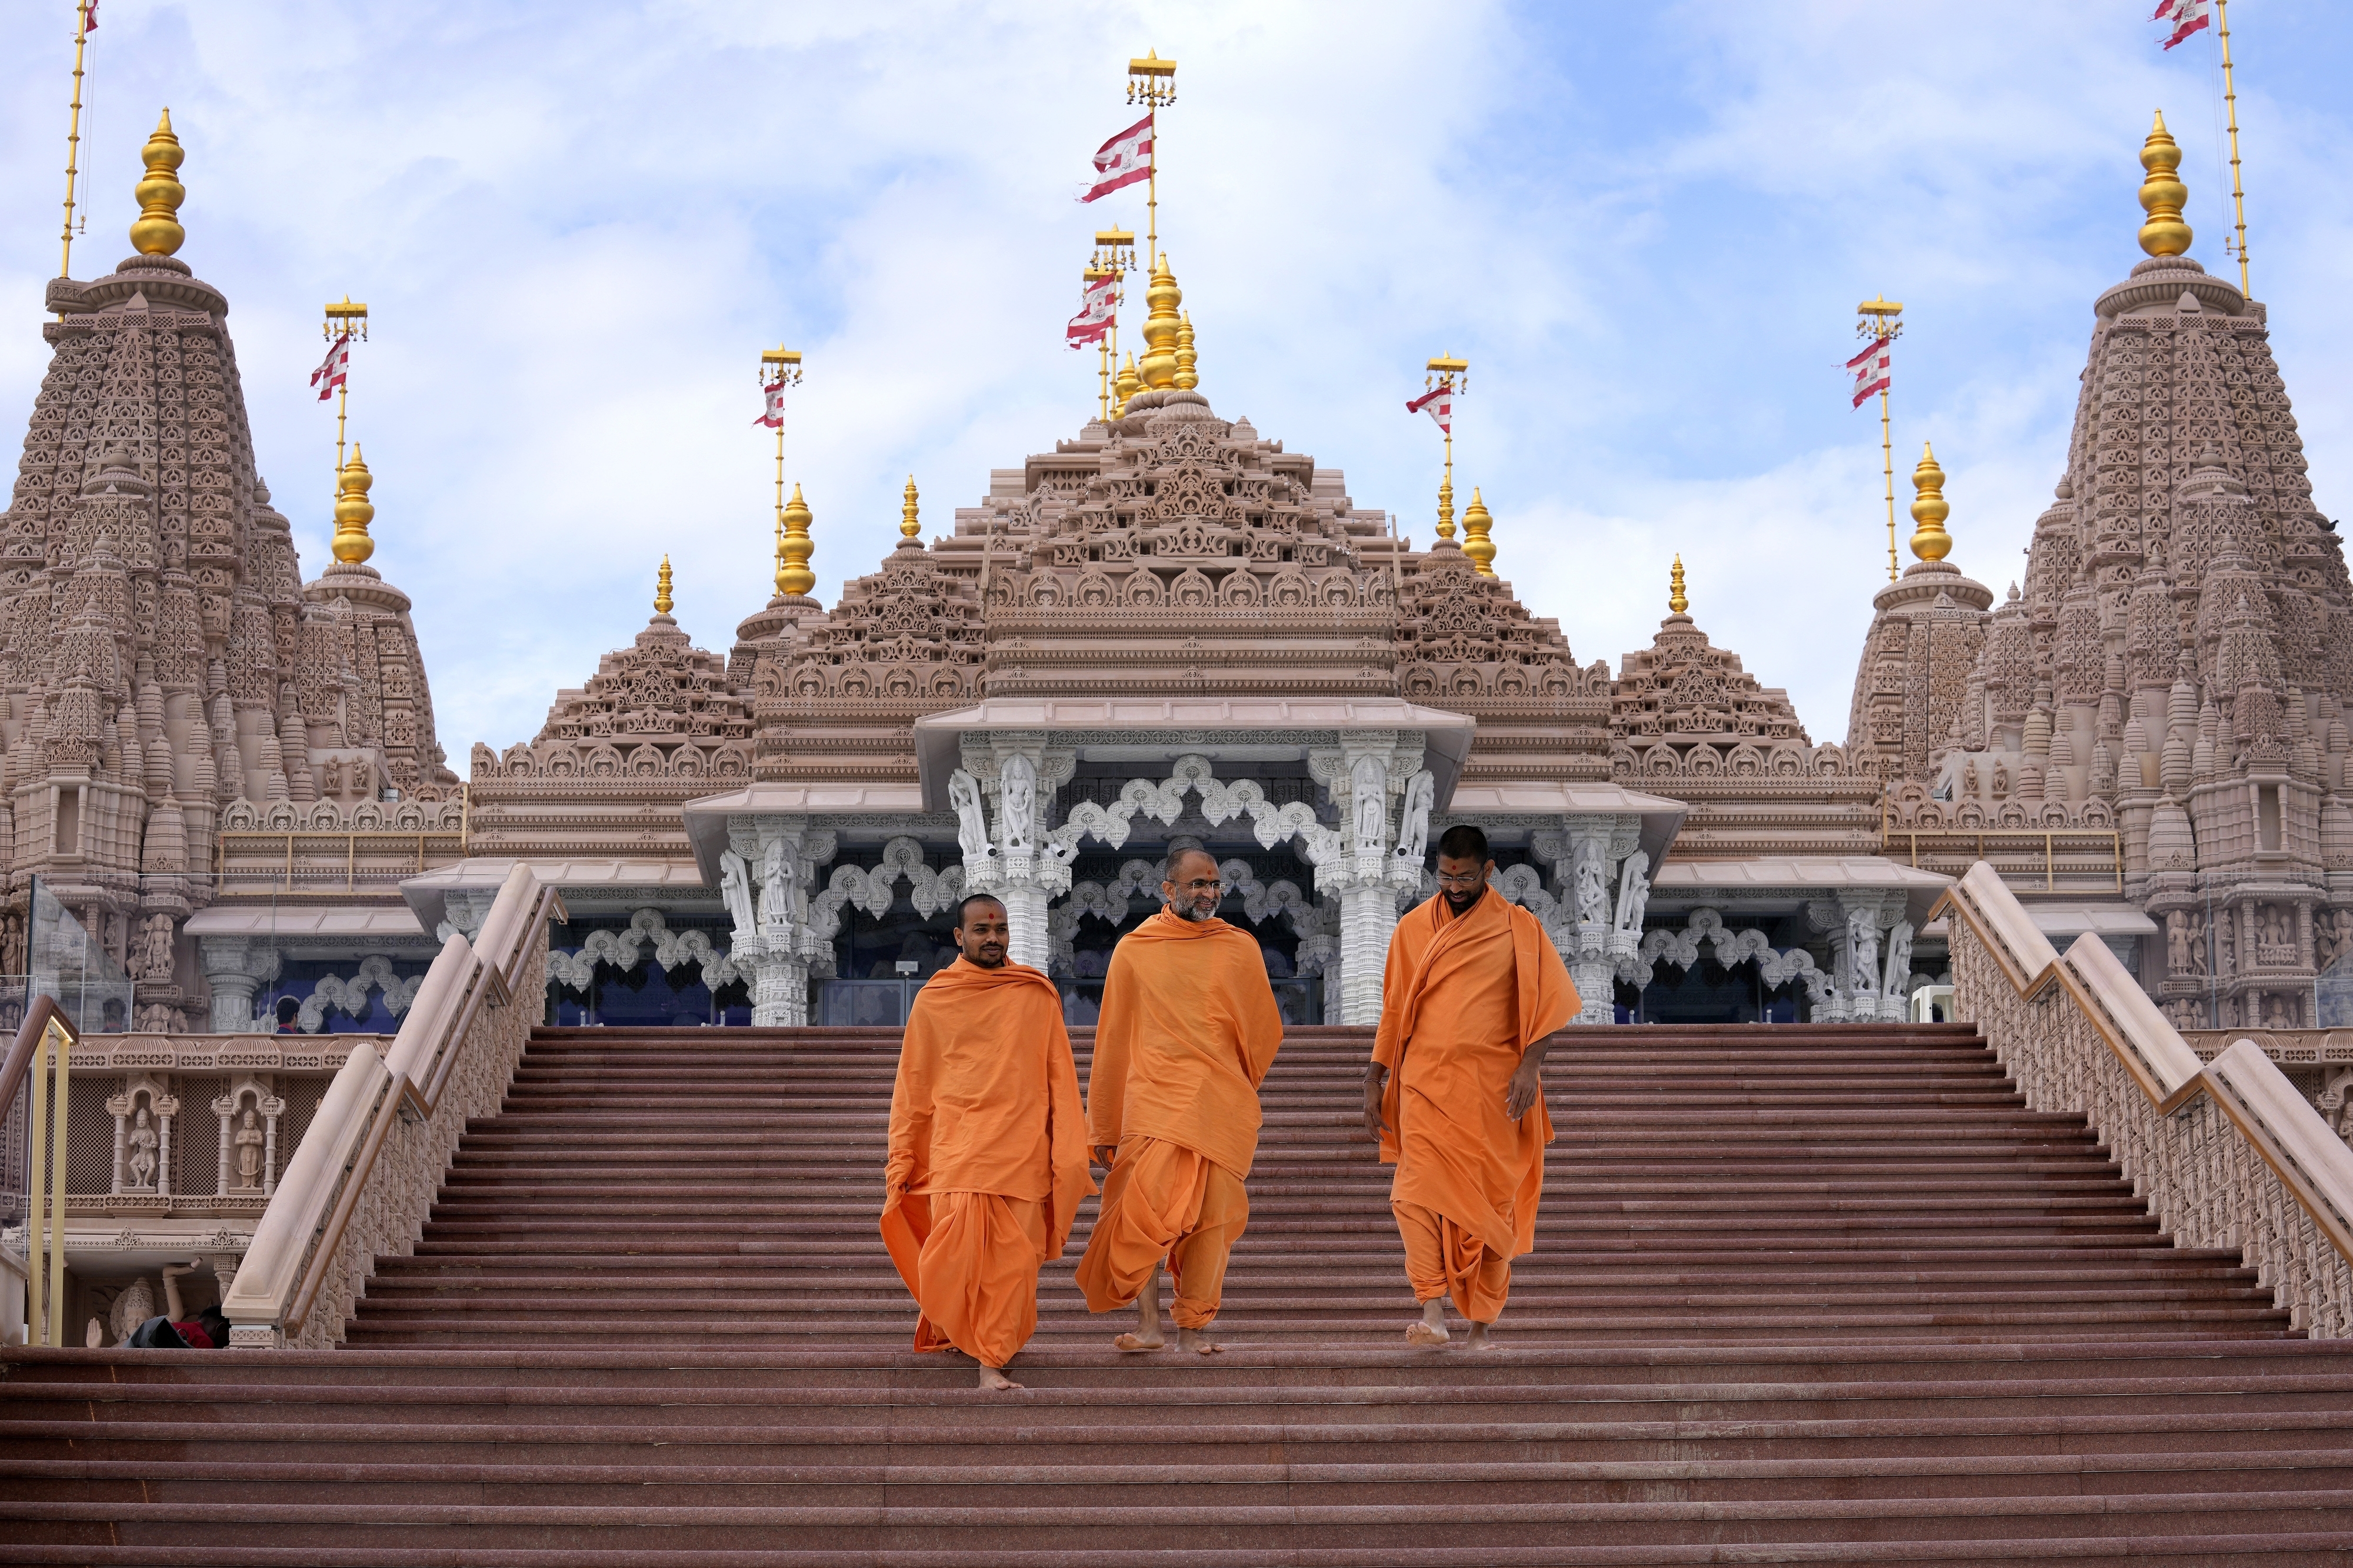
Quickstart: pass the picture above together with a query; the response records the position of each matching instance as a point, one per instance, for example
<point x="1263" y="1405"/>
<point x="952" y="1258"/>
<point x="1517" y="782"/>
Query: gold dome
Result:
<point x="1929" y="508"/>
<point x="794" y="578"/>
<point x="353" y="511"/>
<point x="2162" y="194"/>
<point x="157" y="231"/>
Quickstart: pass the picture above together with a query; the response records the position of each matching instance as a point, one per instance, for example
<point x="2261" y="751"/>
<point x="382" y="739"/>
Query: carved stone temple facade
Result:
<point x="1167" y="626"/>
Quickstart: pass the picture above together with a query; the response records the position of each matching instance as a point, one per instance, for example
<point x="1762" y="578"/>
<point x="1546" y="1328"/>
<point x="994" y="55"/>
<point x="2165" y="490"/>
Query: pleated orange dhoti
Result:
<point x="1441" y="1259"/>
<point x="976" y="1263"/>
<point x="1164" y="1201"/>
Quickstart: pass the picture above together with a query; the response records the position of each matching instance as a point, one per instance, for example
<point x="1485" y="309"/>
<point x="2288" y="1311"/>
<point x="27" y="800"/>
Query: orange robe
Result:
<point x="1189" y="1027"/>
<point x="1463" y="999"/>
<point x="988" y="1155"/>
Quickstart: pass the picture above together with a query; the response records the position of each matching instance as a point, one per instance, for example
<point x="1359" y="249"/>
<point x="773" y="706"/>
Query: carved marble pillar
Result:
<point x="1364" y="775"/>
<point x="1003" y="790"/>
<point x="1592" y="855"/>
<point x="766" y="872"/>
<point x="234" y="967"/>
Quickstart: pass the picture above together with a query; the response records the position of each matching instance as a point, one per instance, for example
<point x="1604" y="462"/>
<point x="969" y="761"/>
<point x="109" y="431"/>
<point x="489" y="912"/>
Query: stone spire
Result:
<point x="1926" y="630"/>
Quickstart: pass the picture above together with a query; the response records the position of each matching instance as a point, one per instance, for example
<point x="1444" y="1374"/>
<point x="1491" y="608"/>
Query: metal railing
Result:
<point x="39" y="1070"/>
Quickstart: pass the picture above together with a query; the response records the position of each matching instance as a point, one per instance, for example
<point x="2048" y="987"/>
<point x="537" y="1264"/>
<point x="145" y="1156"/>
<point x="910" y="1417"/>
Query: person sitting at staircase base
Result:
<point x="1454" y="1092"/>
<point x="1189" y="1029"/>
<point x="988" y="1150"/>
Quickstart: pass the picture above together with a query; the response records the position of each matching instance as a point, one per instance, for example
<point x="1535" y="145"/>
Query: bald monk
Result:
<point x="1189" y="1027"/>
<point x="988" y="1155"/>
<point x="1455" y="1092"/>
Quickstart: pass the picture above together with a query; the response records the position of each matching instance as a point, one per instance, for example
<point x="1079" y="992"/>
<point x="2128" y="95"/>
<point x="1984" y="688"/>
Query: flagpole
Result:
<point x="1883" y="323"/>
<point x="73" y="138"/>
<point x="1115" y="256"/>
<point x="1451" y="375"/>
<point x="345" y="321"/>
<point x="2230" y="101"/>
<point x="779" y="367"/>
<point x="1152" y="81"/>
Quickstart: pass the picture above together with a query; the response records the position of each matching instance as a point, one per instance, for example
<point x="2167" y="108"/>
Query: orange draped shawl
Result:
<point x="1464" y="997"/>
<point x="1189" y="1027"/>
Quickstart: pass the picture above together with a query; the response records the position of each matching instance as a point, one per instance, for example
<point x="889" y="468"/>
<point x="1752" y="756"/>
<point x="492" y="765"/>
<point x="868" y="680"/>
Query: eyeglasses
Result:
<point x="1202" y="887"/>
<point x="1470" y="880"/>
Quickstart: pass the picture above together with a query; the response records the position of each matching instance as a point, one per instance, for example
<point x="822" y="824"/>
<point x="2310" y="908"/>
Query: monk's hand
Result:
<point x="1106" y="1153"/>
<point x="1525" y="1087"/>
<point x="1375" y="1082"/>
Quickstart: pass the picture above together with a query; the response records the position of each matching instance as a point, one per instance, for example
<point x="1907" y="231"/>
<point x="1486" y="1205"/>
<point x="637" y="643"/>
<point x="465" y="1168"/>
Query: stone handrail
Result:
<point x="2228" y="1154"/>
<point x="366" y="1172"/>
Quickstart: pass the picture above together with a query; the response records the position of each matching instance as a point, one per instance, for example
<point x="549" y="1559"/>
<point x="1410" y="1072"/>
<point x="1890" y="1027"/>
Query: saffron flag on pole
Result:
<point x="773" y="413"/>
<point x="336" y="368"/>
<point x="1872" y="369"/>
<point x="1438" y="404"/>
<point x="1122" y="160"/>
<point x="1096" y="309"/>
<point x="2184" y="17"/>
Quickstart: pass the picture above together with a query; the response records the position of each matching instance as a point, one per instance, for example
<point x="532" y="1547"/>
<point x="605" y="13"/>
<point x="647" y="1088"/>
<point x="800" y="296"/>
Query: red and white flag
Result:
<point x="1872" y="369"/>
<point x="1097" y="308"/>
<point x="1438" y="404"/>
<point x="90" y="16"/>
<point x="336" y="368"/>
<point x="773" y="412"/>
<point x="1122" y="160"/>
<point x="2184" y="17"/>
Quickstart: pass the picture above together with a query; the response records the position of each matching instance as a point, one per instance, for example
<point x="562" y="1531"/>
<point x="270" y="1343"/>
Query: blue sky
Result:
<point x="1645" y="227"/>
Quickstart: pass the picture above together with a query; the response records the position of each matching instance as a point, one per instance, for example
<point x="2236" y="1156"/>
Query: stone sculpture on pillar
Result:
<point x="772" y="943"/>
<point x="1022" y="868"/>
<point x="1595" y="933"/>
<point x="1359" y="870"/>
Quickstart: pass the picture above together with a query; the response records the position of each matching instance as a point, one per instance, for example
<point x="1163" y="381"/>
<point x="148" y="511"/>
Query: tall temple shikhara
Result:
<point x="1169" y="624"/>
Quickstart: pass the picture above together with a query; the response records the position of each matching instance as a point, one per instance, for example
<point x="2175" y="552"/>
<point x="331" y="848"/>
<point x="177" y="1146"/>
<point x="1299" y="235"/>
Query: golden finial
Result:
<point x="794" y="579"/>
<point x="2162" y="194"/>
<point x="1188" y="374"/>
<point x="1930" y="509"/>
<point x="353" y="511"/>
<point x="1676" y="603"/>
<point x="1161" y="326"/>
<point x="1476" y="522"/>
<point x="661" y="589"/>
<point x="1128" y="385"/>
<point x="157" y="231"/>
<point x="909" y="524"/>
<point x="1446" y="506"/>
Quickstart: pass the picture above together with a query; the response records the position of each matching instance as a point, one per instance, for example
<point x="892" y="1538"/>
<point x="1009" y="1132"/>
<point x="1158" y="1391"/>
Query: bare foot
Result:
<point x="993" y="1378"/>
<point x="1430" y="1335"/>
<point x="1197" y="1341"/>
<point x="1144" y="1342"/>
<point x="1478" y="1340"/>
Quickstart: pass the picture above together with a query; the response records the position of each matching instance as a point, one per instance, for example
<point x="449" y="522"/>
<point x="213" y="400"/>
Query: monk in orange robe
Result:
<point x="987" y="1153"/>
<point x="1455" y="1094"/>
<point x="1189" y="1027"/>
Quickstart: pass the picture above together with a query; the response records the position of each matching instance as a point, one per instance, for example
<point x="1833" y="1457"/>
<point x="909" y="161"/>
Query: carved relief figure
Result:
<point x="1592" y="879"/>
<point x="152" y="959"/>
<point x="1413" y="828"/>
<point x="2333" y="935"/>
<point x="12" y="944"/>
<point x="2177" y="943"/>
<point x="1018" y="795"/>
<point x="248" y="1152"/>
<point x="776" y="884"/>
<point x="2226" y="949"/>
<point x="1898" y="972"/>
<point x="1969" y="779"/>
<point x="1368" y="804"/>
<point x="1633" y="892"/>
<point x="142" y="1140"/>
<point x="331" y="776"/>
<point x="972" y="824"/>
<point x="735" y="891"/>
<point x="2276" y="1015"/>
<point x="1862" y="948"/>
<point x="2000" y="780"/>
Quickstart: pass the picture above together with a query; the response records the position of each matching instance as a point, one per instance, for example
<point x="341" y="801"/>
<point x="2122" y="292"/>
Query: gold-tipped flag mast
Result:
<point x="780" y="368"/>
<point x="1102" y="292"/>
<point x="2231" y="104"/>
<point x="85" y="18"/>
<point x="344" y="321"/>
<point x="1152" y="82"/>
<point x="1448" y="378"/>
<point x="1874" y="369"/>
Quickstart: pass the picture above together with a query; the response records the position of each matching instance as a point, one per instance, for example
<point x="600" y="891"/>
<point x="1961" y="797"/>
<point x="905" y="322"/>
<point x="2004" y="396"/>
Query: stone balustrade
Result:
<point x="2228" y="1152"/>
<point x="363" y="1180"/>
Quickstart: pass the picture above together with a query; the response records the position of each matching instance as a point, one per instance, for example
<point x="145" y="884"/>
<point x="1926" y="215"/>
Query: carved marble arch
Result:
<point x="853" y="682"/>
<point x="731" y="762"/>
<point x="602" y="761"/>
<point x="1338" y="591"/>
<point x="1745" y="759"/>
<point x="1419" y="680"/>
<point x="645" y="761"/>
<point x="1289" y="589"/>
<point x="1239" y="591"/>
<point x="1094" y="589"/>
<point x="687" y="762"/>
<point x="1703" y="759"/>
<point x="1143" y="590"/>
<point x="1788" y="759"/>
<point x="1192" y="590"/>
<point x="1044" y="591"/>
<point x="1660" y="759"/>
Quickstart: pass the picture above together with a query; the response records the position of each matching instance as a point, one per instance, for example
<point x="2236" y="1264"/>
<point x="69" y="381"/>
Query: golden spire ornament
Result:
<point x="1883" y="323"/>
<point x="794" y="578"/>
<point x="1447" y="376"/>
<point x="1930" y="509"/>
<point x="1162" y="327"/>
<point x="1128" y="385"/>
<point x="353" y="512"/>
<point x="157" y="230"/>
<point x="1476" y="522"/>
<point x="1676" y="603"/>
<point x="661" y="589"/>
<point x="2162" y="194"/>
<point x="1188" y="374"/>
<point x="911" y="525"/>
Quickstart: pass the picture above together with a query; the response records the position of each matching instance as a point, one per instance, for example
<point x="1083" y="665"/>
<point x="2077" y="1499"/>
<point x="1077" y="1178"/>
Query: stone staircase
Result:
<point x="1820" y="1295"/>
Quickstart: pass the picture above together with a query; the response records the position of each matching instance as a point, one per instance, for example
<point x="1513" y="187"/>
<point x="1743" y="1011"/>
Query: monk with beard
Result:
<point x="1189" y="1027"/>
<point x="1455" y="1092"/>
<point x="987" y="1153"/>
